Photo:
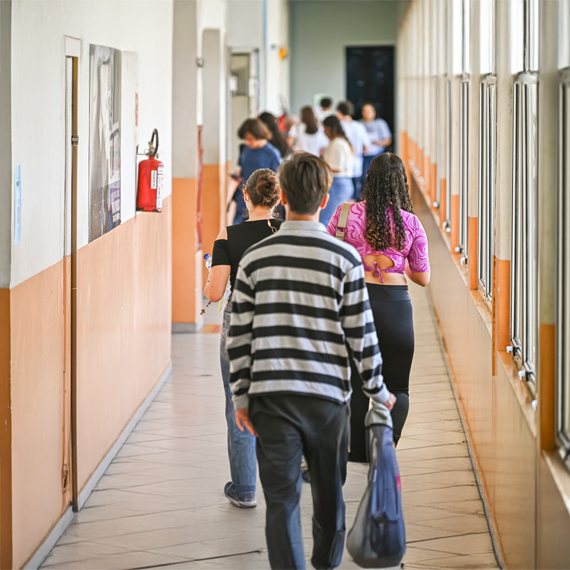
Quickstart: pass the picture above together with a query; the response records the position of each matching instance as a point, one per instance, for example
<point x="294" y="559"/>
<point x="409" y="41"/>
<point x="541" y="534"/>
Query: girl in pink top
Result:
<point x="392" y="244"/>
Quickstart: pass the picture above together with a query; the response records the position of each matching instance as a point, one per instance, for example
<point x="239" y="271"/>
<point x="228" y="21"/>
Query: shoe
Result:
<point x="306" y="476"/>
<point x="248" y="502"/>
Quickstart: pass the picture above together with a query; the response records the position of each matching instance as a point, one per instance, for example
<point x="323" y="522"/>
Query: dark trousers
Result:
<point x="393" y="316"/>
<point x="288" y="427"/>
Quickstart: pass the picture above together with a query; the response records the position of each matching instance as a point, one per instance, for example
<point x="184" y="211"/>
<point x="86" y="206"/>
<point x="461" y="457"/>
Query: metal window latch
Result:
<point x="463" y="260"/>
<point x="522" y="374"/>
<point x="435" y="204"/>
<point x="534" y="405"/>
<point x="510" y="348"/>
<point x="457" y="250"/>
<point x="74" y="140"/>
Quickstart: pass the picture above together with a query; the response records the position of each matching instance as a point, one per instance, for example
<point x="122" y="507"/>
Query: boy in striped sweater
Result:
<point x="300" y="304"/>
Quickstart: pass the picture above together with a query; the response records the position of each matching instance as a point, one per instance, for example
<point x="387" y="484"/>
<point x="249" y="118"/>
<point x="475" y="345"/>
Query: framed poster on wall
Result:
<point x="104" y="140"/>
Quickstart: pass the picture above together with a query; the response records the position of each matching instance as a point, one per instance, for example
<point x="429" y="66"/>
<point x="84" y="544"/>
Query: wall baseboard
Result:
<point x="65" y="520"/>
<point x="180" y="328"/>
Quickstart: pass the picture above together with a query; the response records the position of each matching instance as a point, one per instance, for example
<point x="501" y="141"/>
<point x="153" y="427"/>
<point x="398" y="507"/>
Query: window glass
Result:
<point x="456" y="36"/>
<point x="516" y="35"/>
<point x="466" y="64"/>
<point x="563" y="34"/>
<point x="563" y="265"/>
<point x="487" y="35"/>
<point x="532" y="14"/>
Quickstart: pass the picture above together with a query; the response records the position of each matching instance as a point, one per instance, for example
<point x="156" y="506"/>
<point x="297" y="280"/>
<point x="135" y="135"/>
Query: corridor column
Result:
<point x="186" y="249"/>
<point x="215" y="169"/>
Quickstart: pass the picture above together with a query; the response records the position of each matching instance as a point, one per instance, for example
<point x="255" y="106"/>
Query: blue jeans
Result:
<point x="341" y="191"/>
<point x="241" y="445"/>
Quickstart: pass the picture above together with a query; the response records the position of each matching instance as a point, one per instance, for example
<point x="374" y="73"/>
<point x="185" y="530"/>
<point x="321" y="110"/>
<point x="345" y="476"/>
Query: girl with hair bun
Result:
<point x="262" y="195"/>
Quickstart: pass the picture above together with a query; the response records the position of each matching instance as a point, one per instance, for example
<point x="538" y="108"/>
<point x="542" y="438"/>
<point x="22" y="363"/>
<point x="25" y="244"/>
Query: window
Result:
<point x="487" y="35"/>
<point x="464" y="136"/>
<point x="487" y="139"/>
<point x="463" y="165"/>
<point x="524" y="251"/>
<point x="524" y="273"/>
<point x="563" y="285"/>
<point x="448" y="117"/>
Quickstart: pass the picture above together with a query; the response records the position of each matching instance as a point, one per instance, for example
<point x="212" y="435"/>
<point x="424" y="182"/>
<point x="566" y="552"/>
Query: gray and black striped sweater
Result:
<point x="299" y="302"/>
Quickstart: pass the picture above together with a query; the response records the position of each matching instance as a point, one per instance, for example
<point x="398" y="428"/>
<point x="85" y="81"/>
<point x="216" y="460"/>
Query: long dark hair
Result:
<point x="277" y="139"/>
<point x="333" y="123"/>
<point x="308" y="117"/>
<point x="386" y="185"/>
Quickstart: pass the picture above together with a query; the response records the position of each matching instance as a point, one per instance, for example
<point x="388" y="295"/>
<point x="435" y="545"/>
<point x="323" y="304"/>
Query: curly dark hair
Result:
<point x="386" y="185"/>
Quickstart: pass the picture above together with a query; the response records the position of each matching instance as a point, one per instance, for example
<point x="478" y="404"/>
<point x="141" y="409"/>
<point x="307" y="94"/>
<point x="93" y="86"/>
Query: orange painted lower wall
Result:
<point x="442" y="201"/>
<point x="503" y="440"/>
<point x="213" y="206"/>
<point x="5" y="433"/>
<point x="38" y="392"/>
<point x="123" y="344"/>
<point x="124" y="328"/>
<point x="186" y="255"/>
<point x="553" y="516"/>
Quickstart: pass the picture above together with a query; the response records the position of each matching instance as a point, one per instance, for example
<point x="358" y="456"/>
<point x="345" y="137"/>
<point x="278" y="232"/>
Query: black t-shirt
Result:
<point x="240" y="238"/>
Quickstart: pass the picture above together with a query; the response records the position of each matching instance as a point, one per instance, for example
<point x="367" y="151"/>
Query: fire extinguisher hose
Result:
<point x="153" y="148"/>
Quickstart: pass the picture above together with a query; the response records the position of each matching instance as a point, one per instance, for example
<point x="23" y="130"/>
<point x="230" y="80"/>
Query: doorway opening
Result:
<point x="370" y="79"/>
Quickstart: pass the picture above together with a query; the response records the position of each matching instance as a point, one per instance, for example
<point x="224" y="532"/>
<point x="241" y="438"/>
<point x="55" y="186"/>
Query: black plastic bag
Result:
<point x="378" y="537"/>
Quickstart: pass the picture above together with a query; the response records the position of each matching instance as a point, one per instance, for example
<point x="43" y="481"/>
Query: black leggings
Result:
<point x="393" y="317"/>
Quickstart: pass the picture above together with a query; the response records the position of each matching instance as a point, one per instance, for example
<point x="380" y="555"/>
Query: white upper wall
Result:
<point x="38" y="109"/>
<point x="6" y="191"/>
<point x="320" y="32"/>
<point x="245" y="24"/>
<point x="263" y="25"/>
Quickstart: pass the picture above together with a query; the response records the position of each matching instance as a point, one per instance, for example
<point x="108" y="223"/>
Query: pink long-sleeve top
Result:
<point x="415" y="250"/>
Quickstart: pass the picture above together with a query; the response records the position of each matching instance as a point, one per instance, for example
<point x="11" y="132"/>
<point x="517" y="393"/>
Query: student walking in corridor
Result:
<point x="300" y="304"/>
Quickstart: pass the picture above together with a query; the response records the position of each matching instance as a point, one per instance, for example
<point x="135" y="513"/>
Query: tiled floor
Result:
<point x="161" y="502"/>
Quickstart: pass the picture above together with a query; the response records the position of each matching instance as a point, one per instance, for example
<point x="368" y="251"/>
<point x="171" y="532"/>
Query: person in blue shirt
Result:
<point x="379" y="134"/>
<point x="257" y="153"/>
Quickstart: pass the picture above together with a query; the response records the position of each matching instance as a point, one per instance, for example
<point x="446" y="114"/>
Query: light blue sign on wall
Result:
<point x="17" y="204"/>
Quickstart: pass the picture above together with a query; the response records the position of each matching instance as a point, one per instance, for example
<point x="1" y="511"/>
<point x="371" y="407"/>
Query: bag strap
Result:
<point x="342" y="219"/>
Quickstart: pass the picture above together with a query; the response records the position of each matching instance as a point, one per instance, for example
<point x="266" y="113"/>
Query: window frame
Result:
<point x="524" y="245"/>
<point x="562" y="415"/>
<point x="487" y="146"/>
<point x="463" y="222"/>
<point x="448" y="133"/>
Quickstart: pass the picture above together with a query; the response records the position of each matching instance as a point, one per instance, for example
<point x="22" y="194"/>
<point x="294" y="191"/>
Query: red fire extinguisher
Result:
<point x="151" y="174"/>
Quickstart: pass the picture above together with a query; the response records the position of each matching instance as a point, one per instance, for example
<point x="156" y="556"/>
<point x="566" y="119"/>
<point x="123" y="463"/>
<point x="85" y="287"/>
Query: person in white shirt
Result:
<point x="325" y="109"/>
<point x="358" y="136"/>
<point x="308" y="135"/>
<point x="379" y="134"/>
<point x="339" y="156"/>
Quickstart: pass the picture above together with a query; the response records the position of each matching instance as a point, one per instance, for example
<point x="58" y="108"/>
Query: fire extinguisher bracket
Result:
<point x="150" y="180"/>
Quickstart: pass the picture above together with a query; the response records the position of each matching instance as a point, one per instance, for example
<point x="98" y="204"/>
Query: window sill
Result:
<point x="560" y="475"/>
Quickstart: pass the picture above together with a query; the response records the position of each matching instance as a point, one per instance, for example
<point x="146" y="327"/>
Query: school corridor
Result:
<point x="160" y="504"/>
<point x="122" y="159"/>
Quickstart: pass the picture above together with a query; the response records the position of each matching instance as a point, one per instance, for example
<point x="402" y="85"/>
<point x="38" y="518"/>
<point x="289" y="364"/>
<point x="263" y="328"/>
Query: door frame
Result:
<point x="72" y="52"/>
